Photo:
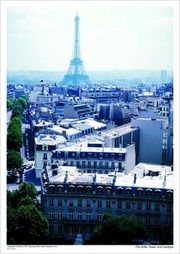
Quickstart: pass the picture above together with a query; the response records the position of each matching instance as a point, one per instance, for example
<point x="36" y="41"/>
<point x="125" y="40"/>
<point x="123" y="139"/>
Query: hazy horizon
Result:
<point x="112" y="36"/>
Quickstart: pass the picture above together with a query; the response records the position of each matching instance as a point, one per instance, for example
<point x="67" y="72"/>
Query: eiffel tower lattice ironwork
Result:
<point x="76" y="72"/>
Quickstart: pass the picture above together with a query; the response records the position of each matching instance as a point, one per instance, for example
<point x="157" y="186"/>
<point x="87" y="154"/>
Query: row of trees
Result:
<point x="119" y="230"/>
<point x="26" y="224"/>
<point x="14" y="134"/>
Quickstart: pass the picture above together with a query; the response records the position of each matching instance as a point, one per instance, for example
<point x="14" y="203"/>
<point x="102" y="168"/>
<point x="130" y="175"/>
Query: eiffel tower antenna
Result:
<point x="76" y="72"/>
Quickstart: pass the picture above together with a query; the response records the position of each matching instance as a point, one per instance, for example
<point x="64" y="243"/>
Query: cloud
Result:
<point x="34" y="23"/>
<point x="162" y="21"/>
<point x="96" y="34"/>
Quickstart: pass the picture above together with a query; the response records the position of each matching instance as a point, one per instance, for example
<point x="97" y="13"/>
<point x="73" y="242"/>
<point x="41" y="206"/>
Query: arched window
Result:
<point x="139" y="192"/>
<point x="88" y="189"/>
<point x="108" y="189"/>
<point x="112" y="156"/>
<point x="71" y="188"/>
<point x="158" y="193"/>
<point x="119" y="190"/>
<point x="100" y="155"/>
<point x="100" y="189"/>
<point x="128" y="191"/>
<point x="80" y="188"/>
<point x="148" y="192"/>
<point x="89" y="155"/>
<point x="60" y="188"/>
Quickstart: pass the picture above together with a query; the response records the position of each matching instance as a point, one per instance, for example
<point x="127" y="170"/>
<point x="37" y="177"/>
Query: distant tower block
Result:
<point x="76" y="73"/>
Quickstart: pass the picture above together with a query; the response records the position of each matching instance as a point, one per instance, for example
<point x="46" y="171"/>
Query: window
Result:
<point x="51" y="202"/>
<point x="71" y="188"/>
<point x="79" y="215"/>
<point x="112" y="156"/>
<point x="51" y="215"/>
<point x="106" y="164"/>
<point x="89" y="164"/>
<point x="79" y="230"/>
<point x="139" y="206"/>
<point x="70" y="203"/>
<point x="44" y="156"/>
<point x="71" y="216"/>
<point x="88" y="204"/>
<point x="59" y="229"/>
<point x="100" y="189"/>
<point x="108" y="190"/>
<point x="148" y="220"/>
<point x="156" y="207"/>
<point x="59" y="215"/>
<point x="139" y="192"/>
<point x="168" y="221"/>
<point x="157" y="193"/>
<point x="99" y="203"/>
<point x="148" y="206"/>
<point x="59" y="202"/>
<point x="79" y="202"/>
<point x="99" y="216"/>
<point x="83" y="164"/>
<point x="88" y="189"/>
<point x="87" y="230"/>
<point x="80" y="189"/>
<point x="119" y="204"/>
<point x="108" y="203"/>
<point x="45" y="147"/>
<point x="127" y="205"/>
<point x="70" y="230"/>
<point x="119" y="190"/>
<point x="156" y="220"/>
<point x="95" y="164"/>
<point x="71" y="163"/>
<point x="51" y="229"/>
<point x="88" y="216"/>
<point x="149" y="192"/>
<point x="128" y="191"/>
<point x="169" y="208"/>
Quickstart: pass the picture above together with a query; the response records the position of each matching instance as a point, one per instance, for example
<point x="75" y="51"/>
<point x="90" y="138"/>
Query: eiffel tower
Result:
<point x="76" y="73"/>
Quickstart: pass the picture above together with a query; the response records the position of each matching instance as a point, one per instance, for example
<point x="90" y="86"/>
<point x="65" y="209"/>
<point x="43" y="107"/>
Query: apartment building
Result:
<point x="75" y="202"/>
<point x="92" y="157"/>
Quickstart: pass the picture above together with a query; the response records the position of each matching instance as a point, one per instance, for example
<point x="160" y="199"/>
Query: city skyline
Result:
<point x="112" y="36"/>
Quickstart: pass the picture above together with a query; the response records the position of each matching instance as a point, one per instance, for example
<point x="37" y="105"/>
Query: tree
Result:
<point x="14" y="161"/>
<point x="15" y="122"/>
<point x="17" y="111"/>
<point x="10" y="104"/>
<point x="32" y="225"/>
<point x="28" y="190"/>
<point x="118" y="230"/>
<point x="23" y="102"/>
<point x="26" y="224"/>
<point x="14" y="139"/>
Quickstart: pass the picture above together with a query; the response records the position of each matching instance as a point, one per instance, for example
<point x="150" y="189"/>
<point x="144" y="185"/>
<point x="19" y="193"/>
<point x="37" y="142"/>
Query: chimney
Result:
<point x="135" y="177"/>
<point x="114" y="178"/>
<point x="66" y="177"/>
<point x="144" y="173"/>
<point x="94" y="178"/>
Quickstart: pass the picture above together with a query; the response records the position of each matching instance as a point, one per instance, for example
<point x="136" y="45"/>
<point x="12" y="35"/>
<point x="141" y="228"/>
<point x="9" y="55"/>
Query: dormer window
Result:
<point x="100" y="155"/>
<point x="45" y="147"/>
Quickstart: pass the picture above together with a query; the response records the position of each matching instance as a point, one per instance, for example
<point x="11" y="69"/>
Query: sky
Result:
<point x="112" y="36"/>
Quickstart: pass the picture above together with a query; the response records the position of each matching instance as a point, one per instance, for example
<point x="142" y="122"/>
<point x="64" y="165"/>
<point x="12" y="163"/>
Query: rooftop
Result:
<point x="163" y="179"/>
